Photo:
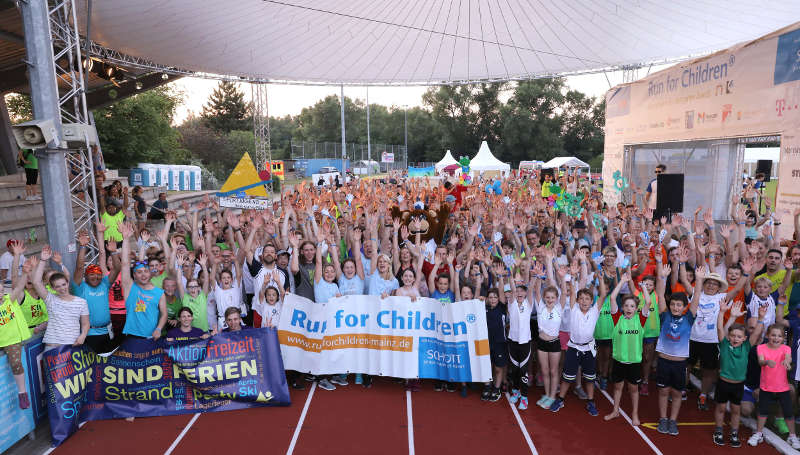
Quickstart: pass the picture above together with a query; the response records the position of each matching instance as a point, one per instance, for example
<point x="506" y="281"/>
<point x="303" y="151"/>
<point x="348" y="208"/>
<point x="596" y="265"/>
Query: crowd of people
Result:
<point x="601" y="295"/>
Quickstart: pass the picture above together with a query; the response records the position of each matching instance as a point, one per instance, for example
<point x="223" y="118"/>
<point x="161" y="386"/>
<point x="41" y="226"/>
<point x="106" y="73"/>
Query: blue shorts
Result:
<point x="583" y="359"/>
<point x="498" y="353"/>
<point x="650" y="340"/>
<point x="748" y="395"/>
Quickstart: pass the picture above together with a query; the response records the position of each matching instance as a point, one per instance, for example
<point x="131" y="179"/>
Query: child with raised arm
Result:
<point x="672" y="348"/>
<point x="627" y="340"/>
<point x="775" y="359"/>
<point x="734" y="349"/>
<point x="519" y="337"/>
<point x="13" y="328"/>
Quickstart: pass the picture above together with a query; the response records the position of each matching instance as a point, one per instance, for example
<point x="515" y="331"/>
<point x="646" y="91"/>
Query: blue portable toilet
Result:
<point x="183" y="177"/>
<point x="137" y="177"/>
<point x="149" y="174"/>
<point x="195" y="178"/>
<point x="174" y="178"/>
<point x="163" y="174"/>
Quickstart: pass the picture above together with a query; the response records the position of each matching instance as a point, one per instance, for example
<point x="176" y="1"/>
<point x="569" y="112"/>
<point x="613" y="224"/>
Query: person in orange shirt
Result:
<point x="733" y="275"/>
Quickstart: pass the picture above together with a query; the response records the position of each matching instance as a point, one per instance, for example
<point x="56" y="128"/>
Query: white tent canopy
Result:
<point x="564" y="161"/>
<point x="420" y="42"/>
<point x="486" y="161"/>
<point x="447" y="160"/>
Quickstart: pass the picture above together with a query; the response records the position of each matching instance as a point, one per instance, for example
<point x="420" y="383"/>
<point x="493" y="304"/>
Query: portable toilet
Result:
<point x="137" y="177"/>
<point x="173" y="178"/>
<point x="195" y="178"/>
<point x="183" y="177"/>
<point x="163" y="174"/>
<point x="149" y="175"/>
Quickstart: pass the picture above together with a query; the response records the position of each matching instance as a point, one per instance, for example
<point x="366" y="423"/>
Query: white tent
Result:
<point x="484" y="161"/>
<point x="446" y="161"/>
<point x="564" y="161"/>
<point x="427" y="42"/>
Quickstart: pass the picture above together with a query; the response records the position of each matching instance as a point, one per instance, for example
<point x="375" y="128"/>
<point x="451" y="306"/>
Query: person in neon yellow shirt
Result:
<point x="13" y="327"/>
<point x="112" y="218"/>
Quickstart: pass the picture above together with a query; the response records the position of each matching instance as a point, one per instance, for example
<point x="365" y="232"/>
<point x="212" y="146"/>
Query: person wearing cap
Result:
<point x="145" y="305"/>
<point x="704" y="340"/>
<point x="5" y="262"/>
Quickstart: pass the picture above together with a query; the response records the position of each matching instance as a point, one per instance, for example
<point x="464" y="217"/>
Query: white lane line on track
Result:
<point x="636" y="429"/>
<point x="182" y="434"/>
<point x="410" y="422"/>
<point x="296" y="434"/>
<point x="522" y="426"/>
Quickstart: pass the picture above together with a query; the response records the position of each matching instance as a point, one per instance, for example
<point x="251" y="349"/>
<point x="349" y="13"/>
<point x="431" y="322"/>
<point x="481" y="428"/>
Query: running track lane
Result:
<point x="353" y="420"/>
<point x="244" y="429"/>
<point x="143" y="435"/>
<point x="573" y="430"/>
<point x="445" y="423"/>
<point x="697" y="438"/>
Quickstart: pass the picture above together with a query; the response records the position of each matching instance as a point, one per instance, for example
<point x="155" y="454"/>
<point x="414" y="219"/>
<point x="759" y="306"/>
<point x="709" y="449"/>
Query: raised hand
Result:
<point x="294" y="240"/>
<point x="700" y="273"/>
<point x="707" y="218"/>
<point x="664" y="270"/>
<point x="18" y="247"/>
<point x="126" y="229"/>
<point x="57" y="257"/>
<point x="46" y="253"/>
<point x="725" y="231"/>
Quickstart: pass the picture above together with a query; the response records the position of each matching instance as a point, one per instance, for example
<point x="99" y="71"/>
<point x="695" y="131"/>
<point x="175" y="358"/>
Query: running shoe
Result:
<point x="514" y="396"/>
<point x="780" y="425"/>
<point x="495" y="395"/>
<point x="340" y="379"/>
<point x="755" y="439"/>
<point x="487" y="392"/>
<point x="463" y="391"/>
<point x="310" y="378"/>
<point x="523" y="403"/>
<point x="359" y="378"/>
<point x="591" y="408"/>
<point x="673" y="427"/>
<point x="450" y="387"/>
<point x="326" y="385"/>
<point x="793" y="441"/>
<point x="580" y="393"/>
<point x="734" y="439"/>
<point x="438" y="386"/>
<point x="719" y="438"/>
<point x="367" y="381"/>
<point x="702" y="402"/>
<point x="602" y="383"/>
<point x="546" y="403"/>
<point x="24" y="402"/>
<point x="644" y="389"/>
<point x="558" y="403"/>
<point x="663" y="426"/>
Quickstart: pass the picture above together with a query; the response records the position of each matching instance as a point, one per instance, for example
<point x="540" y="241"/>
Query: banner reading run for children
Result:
<point x="390" y="337"/>
<point x="144" y="378"/>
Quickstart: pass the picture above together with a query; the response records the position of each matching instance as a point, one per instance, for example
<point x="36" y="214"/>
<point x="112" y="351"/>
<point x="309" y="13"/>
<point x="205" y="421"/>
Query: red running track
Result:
<point x="353" y="420"/>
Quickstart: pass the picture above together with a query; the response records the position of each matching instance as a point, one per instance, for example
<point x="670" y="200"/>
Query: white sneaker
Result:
<point x="326" y="385"/>
<point x="756" y="439"/>
<point x="793" y="441"/>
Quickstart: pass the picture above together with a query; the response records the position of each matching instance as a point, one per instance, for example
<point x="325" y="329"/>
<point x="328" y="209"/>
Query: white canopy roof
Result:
<point x="486" y="161"/>
<point x="564" y="161"/>
<point x="420" y="42"/>
<point x="446" y="161"/>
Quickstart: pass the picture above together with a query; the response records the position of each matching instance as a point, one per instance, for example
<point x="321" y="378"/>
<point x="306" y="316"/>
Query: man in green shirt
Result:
<point x="31" y="165"/>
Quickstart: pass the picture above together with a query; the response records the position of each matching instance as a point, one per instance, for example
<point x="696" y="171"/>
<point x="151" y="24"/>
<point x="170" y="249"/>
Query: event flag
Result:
<point x="390" y="336"/>
<point x="142" y="378"/>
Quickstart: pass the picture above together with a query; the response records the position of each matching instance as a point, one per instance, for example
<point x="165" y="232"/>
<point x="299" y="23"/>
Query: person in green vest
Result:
<point x="13" y="331"/>
<point x="33" y="307"/>
<point x="626" y="340"/>
<point x="31" y="165"/>
<point x="652" y="329"/>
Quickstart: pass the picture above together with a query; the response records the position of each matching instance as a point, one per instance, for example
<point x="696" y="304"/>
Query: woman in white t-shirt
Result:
<point x="68" y="321"/>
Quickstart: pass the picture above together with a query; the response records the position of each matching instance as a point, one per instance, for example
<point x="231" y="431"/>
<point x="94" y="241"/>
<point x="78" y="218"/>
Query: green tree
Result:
<point x="532" y="125"/>
<point x="20" y="107"/>
<point x="226" y="109"/>
<point x="138" y="129"/>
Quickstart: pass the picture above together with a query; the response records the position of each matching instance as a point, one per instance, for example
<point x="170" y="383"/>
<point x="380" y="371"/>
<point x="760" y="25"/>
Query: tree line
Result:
<point x="530" y="120"/>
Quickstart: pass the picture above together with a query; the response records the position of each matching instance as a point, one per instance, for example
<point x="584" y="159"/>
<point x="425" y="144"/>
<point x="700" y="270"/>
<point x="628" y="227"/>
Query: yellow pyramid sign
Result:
<point x="242" y="175"/>
<point x="262" y="398"/>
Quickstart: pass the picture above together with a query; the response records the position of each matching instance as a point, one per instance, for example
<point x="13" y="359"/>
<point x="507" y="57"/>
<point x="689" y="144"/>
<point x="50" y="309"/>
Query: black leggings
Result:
<point x="520" y="355"/>
<point x="765" y="400"/>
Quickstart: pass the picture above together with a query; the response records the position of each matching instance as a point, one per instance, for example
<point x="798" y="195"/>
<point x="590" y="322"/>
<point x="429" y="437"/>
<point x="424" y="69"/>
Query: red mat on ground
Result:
<point x="143" y="435"/>
<point x="446" y="423"/>
<point x="219" y="432"/>
<point x="353" y="420"/>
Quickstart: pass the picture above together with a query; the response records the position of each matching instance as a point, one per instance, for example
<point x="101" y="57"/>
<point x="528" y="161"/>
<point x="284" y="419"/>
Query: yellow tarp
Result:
<point x="242" y="175"/>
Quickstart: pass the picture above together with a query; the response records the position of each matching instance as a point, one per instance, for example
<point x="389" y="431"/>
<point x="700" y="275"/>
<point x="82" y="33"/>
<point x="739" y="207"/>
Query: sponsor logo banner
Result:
<point x="144" y="378"/>
<point x="389" y="337"/>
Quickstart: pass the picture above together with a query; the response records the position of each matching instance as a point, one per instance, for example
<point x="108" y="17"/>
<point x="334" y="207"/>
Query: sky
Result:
<point x="291" y="99"/>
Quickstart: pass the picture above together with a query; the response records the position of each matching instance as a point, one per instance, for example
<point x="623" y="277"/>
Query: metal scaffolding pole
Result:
<point x="343" y="137"/>
<point x="263" y="147"/>
<point x="55" y="70"/>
